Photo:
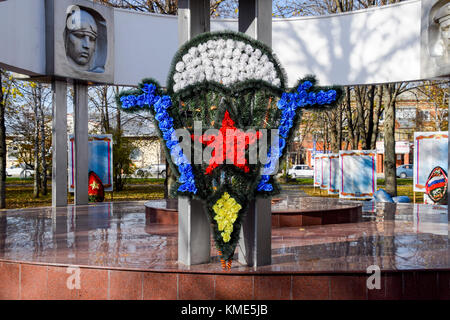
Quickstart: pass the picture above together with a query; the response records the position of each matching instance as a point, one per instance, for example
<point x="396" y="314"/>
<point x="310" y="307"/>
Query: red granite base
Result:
<point x="161" y="216"/>
<point x="309" y="216"/>
<point x="122" y="255"/>
<point x="22" y="281"/>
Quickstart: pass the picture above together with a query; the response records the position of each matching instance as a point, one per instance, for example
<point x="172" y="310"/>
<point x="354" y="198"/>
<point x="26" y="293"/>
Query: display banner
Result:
<point x="317" y="170"/>
<point x="100" y="159"/>
<point x="325" y="174"/>
<point x="358" y="170"/>
<point x="334" y="174"/>
<point x="430" y="151"/>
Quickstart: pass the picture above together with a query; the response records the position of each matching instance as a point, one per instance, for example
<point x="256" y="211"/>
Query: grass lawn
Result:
<point x="19" y="194"/>
<point x="402" y="190"/>
<point x="11" y="180"/>
<point x="15" y="181"/>
<point x="145" y="181"/>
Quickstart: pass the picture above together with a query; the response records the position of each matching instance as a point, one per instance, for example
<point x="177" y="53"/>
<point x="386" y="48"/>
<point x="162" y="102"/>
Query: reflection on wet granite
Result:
<point x="117" y="235"/>
<point x="286" y="202"/>
<point x="291" y="202"/>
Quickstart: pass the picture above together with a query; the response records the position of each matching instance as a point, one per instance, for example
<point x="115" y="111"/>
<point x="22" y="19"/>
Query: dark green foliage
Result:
<point x="122" y="163"/>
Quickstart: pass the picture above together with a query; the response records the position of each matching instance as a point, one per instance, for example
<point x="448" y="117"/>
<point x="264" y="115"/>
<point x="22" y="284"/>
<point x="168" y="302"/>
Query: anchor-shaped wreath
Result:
<point x="235" y="84"/>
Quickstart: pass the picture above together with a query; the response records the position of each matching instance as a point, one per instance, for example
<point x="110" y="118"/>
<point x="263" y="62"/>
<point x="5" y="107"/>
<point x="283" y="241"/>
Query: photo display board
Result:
<point x="358" y="170"/>
<point x="100" y="159"/>
<point x="430" y="151"/>
<point x="325" y="174"/>
<point x="334" y="173"/>
<point x="317" y="171"/>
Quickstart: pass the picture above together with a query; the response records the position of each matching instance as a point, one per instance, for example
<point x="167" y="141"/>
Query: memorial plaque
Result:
<point x="435" y="39"/>
<point x="80" y="40"/>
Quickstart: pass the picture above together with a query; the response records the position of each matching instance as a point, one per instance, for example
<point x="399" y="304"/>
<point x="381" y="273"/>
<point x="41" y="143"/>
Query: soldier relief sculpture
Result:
<point x="84" y="42"/>
<point x="440" y="47"/>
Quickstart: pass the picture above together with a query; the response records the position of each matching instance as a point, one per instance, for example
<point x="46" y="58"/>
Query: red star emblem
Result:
<point x="229" y="143"/>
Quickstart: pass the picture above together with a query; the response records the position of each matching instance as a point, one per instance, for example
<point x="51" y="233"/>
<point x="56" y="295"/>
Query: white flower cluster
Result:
<point x="225" y="61"/>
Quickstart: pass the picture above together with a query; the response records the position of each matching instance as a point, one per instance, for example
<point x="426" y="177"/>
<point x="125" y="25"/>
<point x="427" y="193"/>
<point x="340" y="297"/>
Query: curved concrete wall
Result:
<point x="369" y="46"/>
<point x="22" y="34"/>
<point x="144" y="46"/>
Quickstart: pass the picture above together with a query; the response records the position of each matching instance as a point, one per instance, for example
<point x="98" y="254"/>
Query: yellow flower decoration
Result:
<point x="226" y="209"/>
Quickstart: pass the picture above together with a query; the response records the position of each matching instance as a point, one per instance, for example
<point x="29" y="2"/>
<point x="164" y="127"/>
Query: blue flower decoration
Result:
<point x="288" y="104"/>
<point x="264" y="185"/>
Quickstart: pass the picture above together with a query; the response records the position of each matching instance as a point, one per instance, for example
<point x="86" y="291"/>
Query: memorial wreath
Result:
<point x="234" y="84"/>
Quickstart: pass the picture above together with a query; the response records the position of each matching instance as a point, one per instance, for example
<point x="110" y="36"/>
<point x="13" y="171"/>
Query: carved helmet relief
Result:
<point x="85" y="40"/>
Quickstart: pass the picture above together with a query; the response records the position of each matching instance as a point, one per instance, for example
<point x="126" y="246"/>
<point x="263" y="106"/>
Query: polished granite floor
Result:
<point x="288" y="201"/>
<point x="117" y="235"/>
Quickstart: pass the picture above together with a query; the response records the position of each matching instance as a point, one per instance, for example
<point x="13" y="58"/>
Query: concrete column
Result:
<point x="194" y="229"/>
<point x="255" y="19"/>
<point x="59" y="143"/>
<point x="193" y="19"/>
<point x="81" y="160"/>
<point x="194" y="239"/>
<point x="60" y="221"/>
<point x="255" y="243"/>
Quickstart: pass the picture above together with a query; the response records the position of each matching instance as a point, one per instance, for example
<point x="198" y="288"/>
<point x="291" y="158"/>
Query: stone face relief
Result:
<point x="435" y="39"/>
<point x="440" y="49"/>
<point x="83" y="50"/>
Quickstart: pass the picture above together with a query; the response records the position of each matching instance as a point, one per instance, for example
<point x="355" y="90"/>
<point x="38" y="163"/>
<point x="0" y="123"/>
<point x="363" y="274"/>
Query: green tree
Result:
<point x="122" y="163"/>
<point x="8" y="93"/>
<point x="437" y="93"/>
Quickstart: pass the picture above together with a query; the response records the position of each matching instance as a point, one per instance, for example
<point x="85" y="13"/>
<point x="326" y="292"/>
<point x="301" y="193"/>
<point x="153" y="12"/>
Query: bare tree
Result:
<point x="163" y="6"/>
<point x="101" y="99"/>
<point x="29" y="122"/>
<point x="392" y="90"/>
<point x="379" y="108"/>
<point x="334" y="119"/>
<point x="284" y="8"/>
<point x="361" y="122"/>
